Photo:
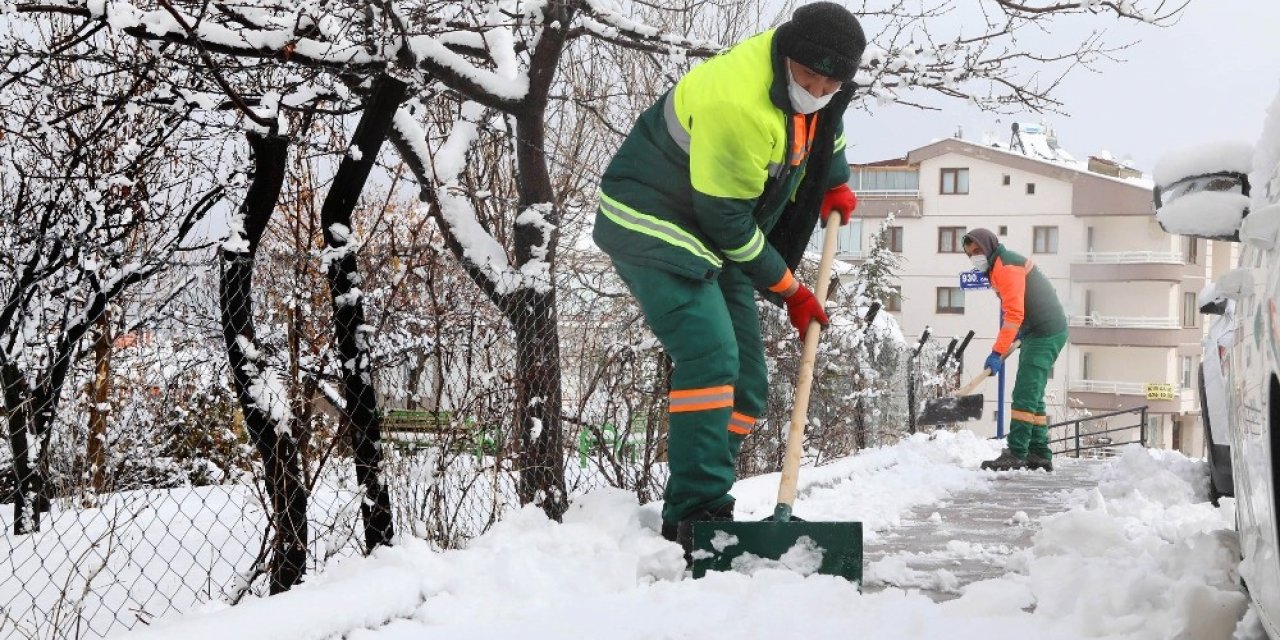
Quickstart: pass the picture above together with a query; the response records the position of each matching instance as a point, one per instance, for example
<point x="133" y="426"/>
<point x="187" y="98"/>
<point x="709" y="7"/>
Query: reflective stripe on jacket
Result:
<point x="706" y="171"/>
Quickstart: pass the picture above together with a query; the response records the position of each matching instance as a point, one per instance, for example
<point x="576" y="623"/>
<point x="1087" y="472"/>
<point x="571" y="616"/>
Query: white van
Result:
<point x="1232" y="192"/>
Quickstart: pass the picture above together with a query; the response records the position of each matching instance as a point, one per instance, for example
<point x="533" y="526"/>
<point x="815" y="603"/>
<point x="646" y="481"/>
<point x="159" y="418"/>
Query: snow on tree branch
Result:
<point x="604" y="20"/>
<point x="479" y="247"/>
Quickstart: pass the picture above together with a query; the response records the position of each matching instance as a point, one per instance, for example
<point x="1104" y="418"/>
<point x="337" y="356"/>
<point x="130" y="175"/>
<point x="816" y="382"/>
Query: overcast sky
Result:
<point x="1209" y="77"/>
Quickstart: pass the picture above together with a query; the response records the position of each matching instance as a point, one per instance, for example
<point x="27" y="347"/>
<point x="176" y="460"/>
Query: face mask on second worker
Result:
<point x="979" y="262"/>
<point x="801" y="100"/>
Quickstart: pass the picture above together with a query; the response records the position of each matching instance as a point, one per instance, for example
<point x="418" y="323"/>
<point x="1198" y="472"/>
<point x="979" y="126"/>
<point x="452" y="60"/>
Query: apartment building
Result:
<point x="1129" y="289"/>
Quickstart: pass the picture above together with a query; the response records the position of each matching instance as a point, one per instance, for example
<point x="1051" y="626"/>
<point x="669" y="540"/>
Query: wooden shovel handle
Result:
<point x="804" y="381"/>
<point x="986" y="373"/>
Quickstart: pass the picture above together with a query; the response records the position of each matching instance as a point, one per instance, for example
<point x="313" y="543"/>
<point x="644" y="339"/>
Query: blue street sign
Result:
<point x="974" y="280"/>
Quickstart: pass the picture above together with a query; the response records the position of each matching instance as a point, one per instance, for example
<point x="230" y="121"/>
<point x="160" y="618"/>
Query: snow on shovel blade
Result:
<point x="948" y="410"/>
<point x="828" y="548"/>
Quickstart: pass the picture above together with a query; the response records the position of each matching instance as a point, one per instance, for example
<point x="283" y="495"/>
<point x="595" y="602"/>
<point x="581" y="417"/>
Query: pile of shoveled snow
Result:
<point x="1143" y="556"/>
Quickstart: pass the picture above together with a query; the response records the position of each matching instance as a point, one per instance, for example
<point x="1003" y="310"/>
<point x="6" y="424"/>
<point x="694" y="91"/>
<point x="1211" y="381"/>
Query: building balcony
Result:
<point x="1131" y="257"/>
<point x="1128" y="266"/>
<point x="1109" y="395"/>
<point x="879" y="203"/>
<point x="1126" y="322"/>
<point x="1131" y="331"/>
<point x="888" y="194"/>
<point x="1113" y="387"/>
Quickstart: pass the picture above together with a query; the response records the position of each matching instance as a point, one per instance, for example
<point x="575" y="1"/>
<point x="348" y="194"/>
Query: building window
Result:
<point x="1031" y="188"/>
<point x="893" y="302"/>
<point x="895" y="239"/>
<point x="1006" y="180"/>
<point x="1003" y="230"/>
<point x="1190" y="310"/>
<point x="897" y="180"/>
<point x="1044" y="240"/>
<point x="1152" y="433"/>
<point x="1187" y="366"/>
<point x="849" y="239"/>
<point x="955" y="182"/>
<point x="950" y="300"/>
<point x="951" y="239"/>
<point x="1084" y="367"/>
<point x="1191" y="250"/>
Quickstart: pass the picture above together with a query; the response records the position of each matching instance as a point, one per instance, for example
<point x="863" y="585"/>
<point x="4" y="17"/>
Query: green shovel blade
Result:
<point x="834" y="548"/>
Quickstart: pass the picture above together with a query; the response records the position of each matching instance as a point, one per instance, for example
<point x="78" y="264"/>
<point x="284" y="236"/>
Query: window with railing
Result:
<point x="873" y="180"/>
<point x="848" y="240"/>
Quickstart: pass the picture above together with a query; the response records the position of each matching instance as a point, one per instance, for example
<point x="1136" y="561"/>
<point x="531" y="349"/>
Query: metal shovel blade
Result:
<point x="953" y="409"/>
<point x="835" y="547"/>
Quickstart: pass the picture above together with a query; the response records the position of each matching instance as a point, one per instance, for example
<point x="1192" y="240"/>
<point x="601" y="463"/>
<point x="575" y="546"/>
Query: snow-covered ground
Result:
<point x="1142" y="555"/>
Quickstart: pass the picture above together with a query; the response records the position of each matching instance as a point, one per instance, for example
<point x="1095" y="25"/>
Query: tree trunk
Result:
<point x="537" y="407"/>
<point x="98" y="412"/>
<point x="271" y="433"/>
<point x="860" y="426"/>
<point x="363" y="422"/>
<point x="26" y="518"/>
<point x="532" y="310"/>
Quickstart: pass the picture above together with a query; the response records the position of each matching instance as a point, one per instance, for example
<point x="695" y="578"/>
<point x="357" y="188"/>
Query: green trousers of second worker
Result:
<point x="1028" y="422"/>
<point x="711" y="331"/>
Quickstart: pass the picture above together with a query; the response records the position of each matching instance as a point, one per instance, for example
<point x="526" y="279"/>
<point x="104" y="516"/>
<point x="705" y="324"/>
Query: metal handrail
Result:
<point x="867" y="194"/>
<point x="1131" y="257"/>
<point x="1126" y="322"/>
<point x="859" y="254"/>
<point x="1141" y="426"/>
<point x="1114" y="387"/>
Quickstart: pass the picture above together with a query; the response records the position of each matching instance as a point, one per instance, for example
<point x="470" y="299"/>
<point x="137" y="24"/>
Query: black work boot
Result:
<point x="1006" y="462"/>
<point x="684" y="529"/>
<point x="669" y="531"/>
<point x="1036" y="462"/>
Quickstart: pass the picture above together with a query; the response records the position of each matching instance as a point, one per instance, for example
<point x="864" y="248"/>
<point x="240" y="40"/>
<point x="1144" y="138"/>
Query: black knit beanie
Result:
<point x="825" y="37"/>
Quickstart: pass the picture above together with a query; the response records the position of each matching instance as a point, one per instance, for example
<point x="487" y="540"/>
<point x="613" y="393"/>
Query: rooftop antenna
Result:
<point x="1015" y="141"/>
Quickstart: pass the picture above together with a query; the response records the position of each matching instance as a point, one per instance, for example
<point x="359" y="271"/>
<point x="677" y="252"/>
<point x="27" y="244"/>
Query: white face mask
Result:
<point x="801" y="100"/>
<point x="979" y="262"/>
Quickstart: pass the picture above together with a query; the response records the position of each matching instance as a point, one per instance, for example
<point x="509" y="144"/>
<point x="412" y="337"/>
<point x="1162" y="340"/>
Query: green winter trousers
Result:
<point x="1028" y="423"/>
<point x="711" y="331"/>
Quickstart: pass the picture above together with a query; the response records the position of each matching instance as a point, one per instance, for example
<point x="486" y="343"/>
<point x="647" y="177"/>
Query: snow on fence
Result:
<point x="150" y="490"/>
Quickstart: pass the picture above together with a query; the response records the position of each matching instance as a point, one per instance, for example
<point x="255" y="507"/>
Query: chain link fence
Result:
<point x="146" y="493"/>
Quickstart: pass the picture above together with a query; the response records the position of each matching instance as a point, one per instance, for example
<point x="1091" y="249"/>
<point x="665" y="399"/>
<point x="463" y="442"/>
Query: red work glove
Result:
<point x="802" y="308"/>
<point x="841" y="199"/>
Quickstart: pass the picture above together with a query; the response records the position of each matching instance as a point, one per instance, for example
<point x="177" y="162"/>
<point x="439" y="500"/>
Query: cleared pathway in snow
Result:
<point x="1124" y="549"/>
<point x="940" y="548"/>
